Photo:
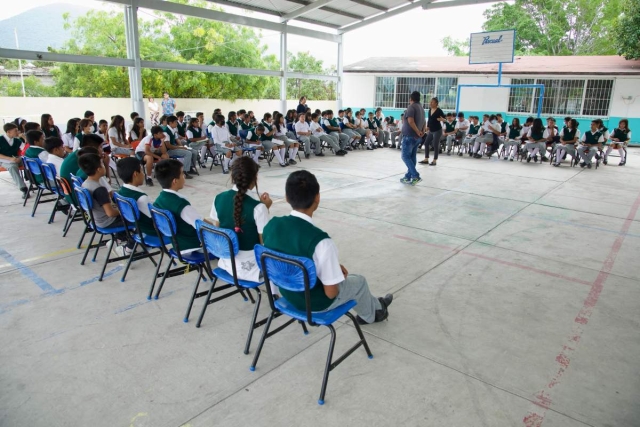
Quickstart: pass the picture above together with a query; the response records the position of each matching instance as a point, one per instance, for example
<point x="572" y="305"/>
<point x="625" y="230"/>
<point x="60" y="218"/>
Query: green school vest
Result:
<point x="620" y="134"/>
<point x="267" y="127"/>
<point x="182" y="129"/>
<point x="254" y="137"/>
<point x="334" y="123"/>
<point x="172" y="137"/>
<point x="592" y="138"/>
<point x="295" y="236"/>
<point x="568" y="135"/>
<point x="370" y="123"/>
<point x="185" y="234"/>
<point x="503" y="127"/>
<point x="9" y="148"/>
<point x="537" y="136"/>
<point x="197" y="132"/>
<point x="378" y="121"/>
<point x="514" y="133"/>
<point x="473" y="129"/>
<point x="233" y="128"/>
<point x="51" y="132"/>
<point x="225" y="204"/>
<point x="80" y="138"/>
<point x="145" y="223"/>
<point x="245" y="126"/>
<point x="450" y="127"/>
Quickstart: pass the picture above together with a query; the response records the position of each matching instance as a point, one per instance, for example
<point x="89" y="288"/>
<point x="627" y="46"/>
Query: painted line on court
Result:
<point x="138" y="304"/>
<point x="543" y="401"/>
<point x="27" y="272"/>
<point x="49" y="255"/>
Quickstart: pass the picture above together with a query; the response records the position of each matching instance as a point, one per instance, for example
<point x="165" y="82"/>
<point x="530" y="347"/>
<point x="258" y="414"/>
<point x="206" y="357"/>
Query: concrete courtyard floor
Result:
<point x="517" y="303"/>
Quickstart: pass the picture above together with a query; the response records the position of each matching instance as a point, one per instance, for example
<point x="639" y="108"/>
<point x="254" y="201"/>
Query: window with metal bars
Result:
<point x="521" y="98"/>
<point x="597" y="98"/>
<point x="385" y="92"/>
<point x="446" y="91"/>
<point x="406" y="85"/>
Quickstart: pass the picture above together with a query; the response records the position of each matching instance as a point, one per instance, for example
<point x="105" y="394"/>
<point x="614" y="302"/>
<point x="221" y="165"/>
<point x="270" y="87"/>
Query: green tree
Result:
<point x="455" y="47"/>
<point x="555" y="27"/>
<point x="32" y="87"/>
<point x="627" y="30"/>
<point x="304" y="62"/>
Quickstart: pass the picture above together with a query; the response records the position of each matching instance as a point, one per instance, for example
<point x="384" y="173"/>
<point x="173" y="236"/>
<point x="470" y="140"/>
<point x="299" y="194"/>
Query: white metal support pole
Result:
<point x="133" y="52"/>
<point x="24" y="93"/>
<point x="284" y="67"/>
<point x="340" y="73"/>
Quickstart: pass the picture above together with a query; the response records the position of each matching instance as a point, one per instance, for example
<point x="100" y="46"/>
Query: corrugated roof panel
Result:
<point x="357" y="9"/>
<point x="336" y="19"/>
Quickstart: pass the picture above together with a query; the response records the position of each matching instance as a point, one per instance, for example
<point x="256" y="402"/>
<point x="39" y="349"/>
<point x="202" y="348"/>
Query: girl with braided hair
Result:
<point x="246" y="212"/>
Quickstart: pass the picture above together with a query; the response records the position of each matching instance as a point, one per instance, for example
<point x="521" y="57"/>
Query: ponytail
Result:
<point x="244" y="172"/>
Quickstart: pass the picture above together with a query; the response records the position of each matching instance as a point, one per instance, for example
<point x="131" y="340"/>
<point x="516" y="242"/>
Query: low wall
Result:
<point x="63" y="109"/>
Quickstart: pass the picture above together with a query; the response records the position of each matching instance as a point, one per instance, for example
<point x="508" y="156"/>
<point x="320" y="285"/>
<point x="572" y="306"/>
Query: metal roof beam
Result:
<point x="371" y="5"/>
<point x="383" y="16"/>
<point x="32" y="55"/>
<point x="214" y="15"/>
<point x="305" y="9"/>
<point x="330" y="9"/>
<point x="453" y="3"/>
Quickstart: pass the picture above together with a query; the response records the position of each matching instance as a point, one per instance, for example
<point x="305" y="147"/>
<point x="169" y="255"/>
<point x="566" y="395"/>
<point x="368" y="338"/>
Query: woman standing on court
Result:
<point x="302" y="106"/>
<point x="434" y="132"/>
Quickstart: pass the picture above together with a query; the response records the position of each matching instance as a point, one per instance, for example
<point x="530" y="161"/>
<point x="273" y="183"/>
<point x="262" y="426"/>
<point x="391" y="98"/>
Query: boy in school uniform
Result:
<point x="254" y="140"/>
<point x="130" y="172"/>
<point x="182" y="125"/>
<point x="152" y="148"/>
<point x="369" y="139"/>
<point x="129" y="127"/>
<point x="332" y="127"/>
<point x="317" y="132"/>
<point x="36" y="150"/>
<point x="449" y="132"/>
<point x="246" y="122"/>
<point x="94" y="124"/>
<point x="551" y="136"/>
<point x="348" y="128"/>
<point x="222" y="140"/>
<point x="269" y="143"/>
<point x="105" y="212"/>
<point x="381" y="125"/>
<point x="396" y="132"/>
<point x="232" y="125"/>
<point x="196" y="139"/>
<point x="470" y="138"/>
<point x="175" y="146"/>
<point x="460" y="132"/>
<point x="171" y="177"/>
<point x="56" y="152"/>
<point x="304" y="134"/>
<point x="297" y="235"/>
<point x="372" y="125"/>
<point x="591" y="141"/>
<point x="9" y="159"/>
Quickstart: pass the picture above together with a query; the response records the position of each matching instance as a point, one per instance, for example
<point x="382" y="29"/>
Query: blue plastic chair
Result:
<point x="34" y="166"/>
<point x="165" y="225"/>
<point x="75" y="213"/>
<point x="76" y="181"/>
<point x="298" y="274"/>
<point x="86" y="204"/>
<point x="52" y="183"/>
<point x="223" y="243"/>
<point x="131" y="215"/>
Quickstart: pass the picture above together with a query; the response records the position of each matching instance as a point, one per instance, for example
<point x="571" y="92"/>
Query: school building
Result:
<point x="583" y="87"/>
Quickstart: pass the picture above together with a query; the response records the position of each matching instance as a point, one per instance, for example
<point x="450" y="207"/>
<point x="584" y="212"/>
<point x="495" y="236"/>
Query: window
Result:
<point x="521" y="98"/>
<point x="385" y="92"/>
<point x="446" y="92"/>
<point x="562" y="97"/>
<point x="597" y="97"/>
<point x="405" y="85"/>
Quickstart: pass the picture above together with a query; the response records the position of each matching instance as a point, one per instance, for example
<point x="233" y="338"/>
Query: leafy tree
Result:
<point x="455" y="47"/>
<point x="304" y="62"/>
<point x="32" y="87"/>
<point x="627" y="30"/>
<point x="557" y="27"/>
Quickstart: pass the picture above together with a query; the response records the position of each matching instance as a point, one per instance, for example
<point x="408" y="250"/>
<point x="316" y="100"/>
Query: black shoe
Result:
<point x="369" y="148"/>
<point x="470" y="154"/>
<point x="25" y="192"/>
<point x="187" y="176"/>
<point x="460" y="154"/>
<point x="348" y="148"/>
<point x="604" y="162"/>
<point x="306" y="156"/>
<point x="283" y="165"/>
<point x="193" y="171"/>
<point x="149" y="182"/>
<point x="448" y="152"/>
<point x="510" y="159"/>
<point x="529" y="159"/>
<point x="393" y="145"/>
<point x="583" y="164"/>
<point x="589" y="166"/>
<point x="292" y="162"/>
<point x="491" y="153"/>
<point x="545" y="159"/>
<point x="386" y="300"/>
<point x="622" y="163"/>
<point x="340" y="153"/>
<point x="320" y="154"/>
<point x="535" y="159"/>
<point x="477" y="156"/>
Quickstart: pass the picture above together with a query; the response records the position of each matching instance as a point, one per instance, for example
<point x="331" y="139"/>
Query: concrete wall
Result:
<point x="358" y="89"/>
<point x="63" y="109"/>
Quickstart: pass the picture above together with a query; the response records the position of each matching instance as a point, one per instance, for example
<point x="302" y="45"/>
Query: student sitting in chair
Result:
<point x="197" y="139"/>
<point x="171" y="177"/>
<point x="619" y="140"/>
<point x="56" y="151"/>
<point x="105" y="212"/>
<point x="536" y="140"/>
<point x="512" y="141"/>
<point x="278" y="147"/>
<point x="297" y="235"/>
<point x="69" y="136"/>
<point x="490" y="128"/>
<point x="9" y="159"/>
<point x="117" y="137"/>
<point x="332" y="127"/>
<point x="232" y="125"/>
<point x="317" y="132"/>
<point x="130" y="172"/>
<point x="222" y="140"/>
<point x="181" y="125"/>
<point x="36" y="150"/>
<point x="254" y="140"/>
<point x="471" y="135"/>
<point x="137" y="131"/>
<point x="281" y="134"/>
<point x="568" y="138"/>
<point x="246" y="213"/>
<point x="176" y="146"/>
<point x="552" y="136"/>
<point x="151" y="149"/>
<point x="591" y="141"/>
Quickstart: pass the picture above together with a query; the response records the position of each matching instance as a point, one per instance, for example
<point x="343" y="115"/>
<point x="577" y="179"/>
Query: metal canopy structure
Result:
<point x="337" y="16"/>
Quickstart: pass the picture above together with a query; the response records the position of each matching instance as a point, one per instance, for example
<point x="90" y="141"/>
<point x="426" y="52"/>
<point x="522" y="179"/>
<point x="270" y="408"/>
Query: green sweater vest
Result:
<point x="197" y="132"/>
<point x="295" y="236"/>
<point x="233" y="127"/>
<point x="9" y="148"/>
<point x="568" y="135"/>
<point x="592" y="138"/>
<point x="51" y="132"/>
<point x="537" y="136"/>
<point x="450" y="127"/>
<point x="503" y="127"/>
<point x="473" y="129"/>
<point x="620" y="134"/>
<point x="514" y="133"/>
<point x="246" y="126"/>
<point x="224" y="203"/>
<point x="182" y="129"/>
<point x="145" y="223"/>
<point x="172" y="137"/>
<point x="185" y="234"/>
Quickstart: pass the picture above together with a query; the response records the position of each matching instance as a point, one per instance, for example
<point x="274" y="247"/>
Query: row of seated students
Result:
<point x="245" y="211"/>
<point x="533" y="138"/>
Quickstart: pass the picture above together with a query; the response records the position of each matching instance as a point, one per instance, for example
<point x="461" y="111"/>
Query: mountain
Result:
<point x="40" y="27"/>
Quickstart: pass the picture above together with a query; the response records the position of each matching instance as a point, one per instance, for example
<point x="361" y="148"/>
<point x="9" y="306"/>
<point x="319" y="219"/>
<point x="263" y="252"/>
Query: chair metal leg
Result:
<point x="36" y="201"/>
<point x="106" y="260"/>
<point x="304" y="327"/>
<point x="54" y="210"/>
<point x="68" y="222"/>
<point x="193" y="296"/>
<point x="84" y="233"/>
<point x="86" y="252"/>
<point x="327" y="368"/>
<point x="252" y="326"/>
<point x="206" y="304"/>
<point x="360" y="334"/>
<point x="164" y="277"/>
<point x="262" y="339"/>
<point x="126" y="269"/>
<point x="98" y="248"/>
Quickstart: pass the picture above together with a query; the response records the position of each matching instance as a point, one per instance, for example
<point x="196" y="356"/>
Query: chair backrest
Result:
<point x="134" y="144"/>
<point x="219" y="242"/>
<point x="293" y="273"/>
<point x="51" y="180"/>
<point x="86" y="204"/>
<point x="128" y="208"/>
<point x="33" y="165"/>
<point x="76" y="180"/>
<point x="165" y="225"/>
<point x="341" y="125"/>
<point x="242" y="134"/>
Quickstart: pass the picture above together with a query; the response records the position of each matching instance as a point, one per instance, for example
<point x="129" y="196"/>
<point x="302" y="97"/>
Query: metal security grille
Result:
<point x="597" y="97"/>
<point x="563" y="97"/>
<point x="385" y="92"/>
<point x="446" y="91"/>
<point x="405" y="85"/>
<point x="521" y="98"/>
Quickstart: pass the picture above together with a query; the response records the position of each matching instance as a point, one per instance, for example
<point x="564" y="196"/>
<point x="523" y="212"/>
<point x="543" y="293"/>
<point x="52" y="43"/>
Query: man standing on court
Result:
<point x="168" y="105"/>
<point x="412" y="127"/>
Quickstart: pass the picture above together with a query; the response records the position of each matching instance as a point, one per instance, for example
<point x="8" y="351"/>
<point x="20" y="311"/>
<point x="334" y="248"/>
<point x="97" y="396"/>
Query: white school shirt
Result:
<point x="113" y="132"/>
<point x="525" y="131"/>
<point x="128" y="128"/>
<point x="327" y="123"/>
<point x="190" y="134"/>
<point x="465" y="124"/>
<point x="246" y="265"/>
<point x="142" y="202"/>
<point x="133" y="135"/>
<point x="67" y="139"/>
<point x="325" y="257"/>
<point x="606" y="135"/>
<point x="547" y="132"/>
<point x="302" y="127"/>
<point x="147" y="141"/>
<point x="359" y="123"/>
<point x="56" y="161"/>
<point x="220" y="135"/>
<point x="281" y="132"/>
<point x="316" y="129"/>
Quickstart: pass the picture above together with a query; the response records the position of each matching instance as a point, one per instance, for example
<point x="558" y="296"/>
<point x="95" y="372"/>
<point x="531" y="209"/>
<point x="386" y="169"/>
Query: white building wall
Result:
<point x="477" y="99"/>
<point x="626" y="98"/>
<point x="358" y="90"/>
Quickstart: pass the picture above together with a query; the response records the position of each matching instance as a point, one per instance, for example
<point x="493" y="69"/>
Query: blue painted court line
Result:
<point x="27" y="272"/>
<point x="106" y="274"/>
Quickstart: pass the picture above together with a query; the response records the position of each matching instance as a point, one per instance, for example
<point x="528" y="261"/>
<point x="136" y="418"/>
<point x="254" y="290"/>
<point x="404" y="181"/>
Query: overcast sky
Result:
<point x="414" y="33"/>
